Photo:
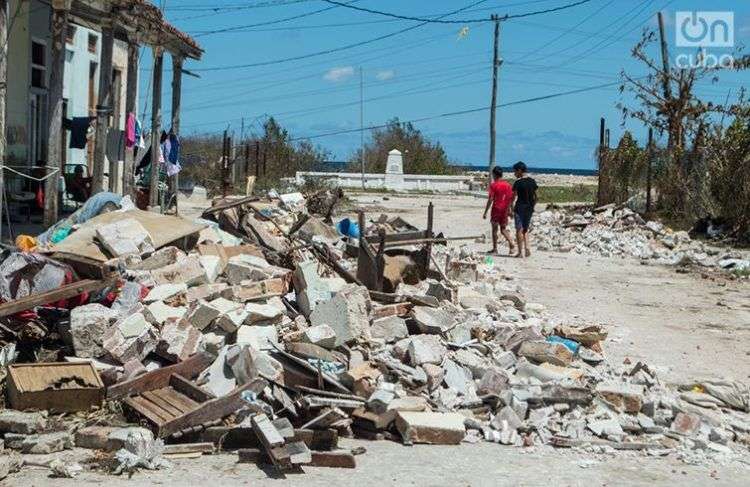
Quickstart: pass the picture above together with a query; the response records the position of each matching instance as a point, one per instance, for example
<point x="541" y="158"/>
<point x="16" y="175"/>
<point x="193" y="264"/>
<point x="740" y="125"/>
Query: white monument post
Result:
<point x="394" y="170"/>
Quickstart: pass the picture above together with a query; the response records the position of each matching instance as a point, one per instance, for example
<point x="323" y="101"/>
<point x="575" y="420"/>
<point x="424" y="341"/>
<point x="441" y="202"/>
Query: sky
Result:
<point x="427" y="71"/>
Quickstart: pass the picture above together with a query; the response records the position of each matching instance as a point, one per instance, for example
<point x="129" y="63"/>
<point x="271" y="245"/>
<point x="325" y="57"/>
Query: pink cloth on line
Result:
<point x="130" y="131"/>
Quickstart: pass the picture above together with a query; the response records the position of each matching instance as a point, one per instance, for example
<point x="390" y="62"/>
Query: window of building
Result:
<point x="38" y="64"/>
<point x="70" y="34"/>
<point x="93" y="42"/>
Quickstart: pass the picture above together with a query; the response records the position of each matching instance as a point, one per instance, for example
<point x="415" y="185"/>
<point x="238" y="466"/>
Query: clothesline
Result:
<point x="54" y="170"/>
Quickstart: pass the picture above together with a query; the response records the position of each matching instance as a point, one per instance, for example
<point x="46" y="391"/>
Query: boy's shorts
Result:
<point x="522" y="217"/>
<point x="499" y="216"/>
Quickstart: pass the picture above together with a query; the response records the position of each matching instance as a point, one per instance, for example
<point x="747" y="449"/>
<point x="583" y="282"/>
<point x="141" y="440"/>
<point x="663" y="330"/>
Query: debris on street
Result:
<point x="262" y="330"/>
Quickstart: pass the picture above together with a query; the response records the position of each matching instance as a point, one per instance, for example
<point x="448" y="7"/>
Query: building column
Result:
<point x="131" y="98"/>
<point x="176" y="99"/>
<point x="156" y="125"/>
<point x="3" y="93"/>
<point x="58" y="30"/>
<point x="103" y="108"/>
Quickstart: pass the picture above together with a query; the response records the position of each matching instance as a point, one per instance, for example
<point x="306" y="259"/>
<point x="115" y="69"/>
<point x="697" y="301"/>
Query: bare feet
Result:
<point x="492" y="252"/>
<point x="528" y="253"/>
<point x="511" y="249"/>
<point x="519" y="255"/>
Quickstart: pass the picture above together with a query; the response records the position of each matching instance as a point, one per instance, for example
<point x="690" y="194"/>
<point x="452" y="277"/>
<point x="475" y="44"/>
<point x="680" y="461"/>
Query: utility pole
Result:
<point x="242" y="130"/>
<point x="362" y="123"/>
<point x="493" y="106"/>
<point x="650" y="155"/>
<point x="666" y="85"/>
<point x="602" y="180"/>
<point x="3" y="90"/>
<point x="224" y="164"/>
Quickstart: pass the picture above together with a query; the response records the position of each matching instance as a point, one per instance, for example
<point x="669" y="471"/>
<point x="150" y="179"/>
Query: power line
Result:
<point x="465" y="112"/>
<point x="337" y="49"/>
<point x="270" y="22"/>
<point x="461" y="21"/>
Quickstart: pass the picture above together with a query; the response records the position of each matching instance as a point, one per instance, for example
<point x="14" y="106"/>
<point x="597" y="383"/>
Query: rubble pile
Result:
<point x="611" y="231"/>
<point x="255" y="334"/>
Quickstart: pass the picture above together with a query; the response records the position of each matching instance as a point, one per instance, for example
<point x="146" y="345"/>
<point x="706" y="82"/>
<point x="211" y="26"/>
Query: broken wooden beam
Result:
<point x="162" y="377"/>
<point x="321" y="440"/>
<point x="182" y="448"/>
<point x="63" y="292"/>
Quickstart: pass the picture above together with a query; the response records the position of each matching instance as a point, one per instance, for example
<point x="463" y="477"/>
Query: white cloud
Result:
<point x="385" y="74"/>
<point x="339" y="74"/>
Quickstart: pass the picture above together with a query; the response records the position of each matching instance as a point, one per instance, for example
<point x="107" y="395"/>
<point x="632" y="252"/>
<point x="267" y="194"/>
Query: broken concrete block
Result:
<point x="380" y="398"/>
<point x="425" y="349"/>
<point x="543" y="351"/>
<point x="494" y="381"/>
<point x="431" y="428"/>
<point x="206" y="292"/>
<point x="516" y="299"/>
<point x="435" y="375"/>
<point x="623" y="396"/>
<point x="126" y="236"/>
<point x="188" y="271"/>
<point x="165" y="292"/>
<point x="212" y="265"/>
<point x="321" y="335"/>
<point x="213" y="341"/>
<point x="506" y="418"/>
<point x="457" y="377"/>
<point x="178" y="341"/>
<point x="256" y="290"/>
<point x="161" y="258"/>
<point x="362" y="378"/>
<point x="12" y="421"/>
<point x="608" y="427"/>
<point x="39" y="444"/>
<point x="246" y="267"/>
<point x="441" y="291"/>
<point x="260" y="337"/>
<point x="311" y="289"/>
<point x="218" y="378"/>
<point x="390" y="329"/>
<point x="459" y="334"/>
<point x="130" y="338"/>
<point x="263" y="313"/>
<point x="472" y="360"/>
<point x="686" y="424"/>
<point x="346" y="313"/>
<point x="232" y="320"/>
<point x="158" y="313"/>
<point x="129" y="438"/>
<point x="432" y="320"/>
<point x="202" y="314"/>
<point x="87" y="326"/>
<point x="94" y="437"/>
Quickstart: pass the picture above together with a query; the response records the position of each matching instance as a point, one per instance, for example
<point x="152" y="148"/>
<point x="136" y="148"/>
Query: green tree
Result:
<point x="421" y="155"/>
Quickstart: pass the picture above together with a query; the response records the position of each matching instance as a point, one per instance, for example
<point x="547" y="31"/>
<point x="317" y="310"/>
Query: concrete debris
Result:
<point x="130" y="338"/>
<point x="124" y="237"/>
<point x="88" y="324"/>
<point x="24" y="423"/>
<point x="280" y="327"/>
<point x="620" y="232"/>
<point x="347" y="313"/>
<point x="39" y="444"/>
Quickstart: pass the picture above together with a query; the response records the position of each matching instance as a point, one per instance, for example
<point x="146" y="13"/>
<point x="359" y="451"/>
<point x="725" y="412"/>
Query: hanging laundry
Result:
<point x="172" y="153"/>
<point x="130" y="132"/>
<point x="139" y="134"/>
<point x="79" y="127"/>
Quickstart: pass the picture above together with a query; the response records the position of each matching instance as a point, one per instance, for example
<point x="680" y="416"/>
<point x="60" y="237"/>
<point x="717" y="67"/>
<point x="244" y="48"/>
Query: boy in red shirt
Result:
<point x="500" y="197"/>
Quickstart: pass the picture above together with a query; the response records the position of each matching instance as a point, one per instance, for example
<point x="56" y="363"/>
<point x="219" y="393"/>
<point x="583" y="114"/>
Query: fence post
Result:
<point x="649" y="155"/>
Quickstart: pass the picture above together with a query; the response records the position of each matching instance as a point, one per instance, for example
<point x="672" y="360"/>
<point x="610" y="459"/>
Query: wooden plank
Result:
<point x="187" y="388"/>
<point x="147" y="409"/>
<point x="226" y="206"/>
<point x="333" y="459"/>
<point x="157" y="397"/>
<point x="188" y="448"/>
<point x="64" y="292"/>
<point x="266" y="431"/>
<point x="214" y="409"/>
<point x="284" y="427"/>
<point x="167" y="410"/>
<point x="159" y="378"/>
<point x="181" y="402"/>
